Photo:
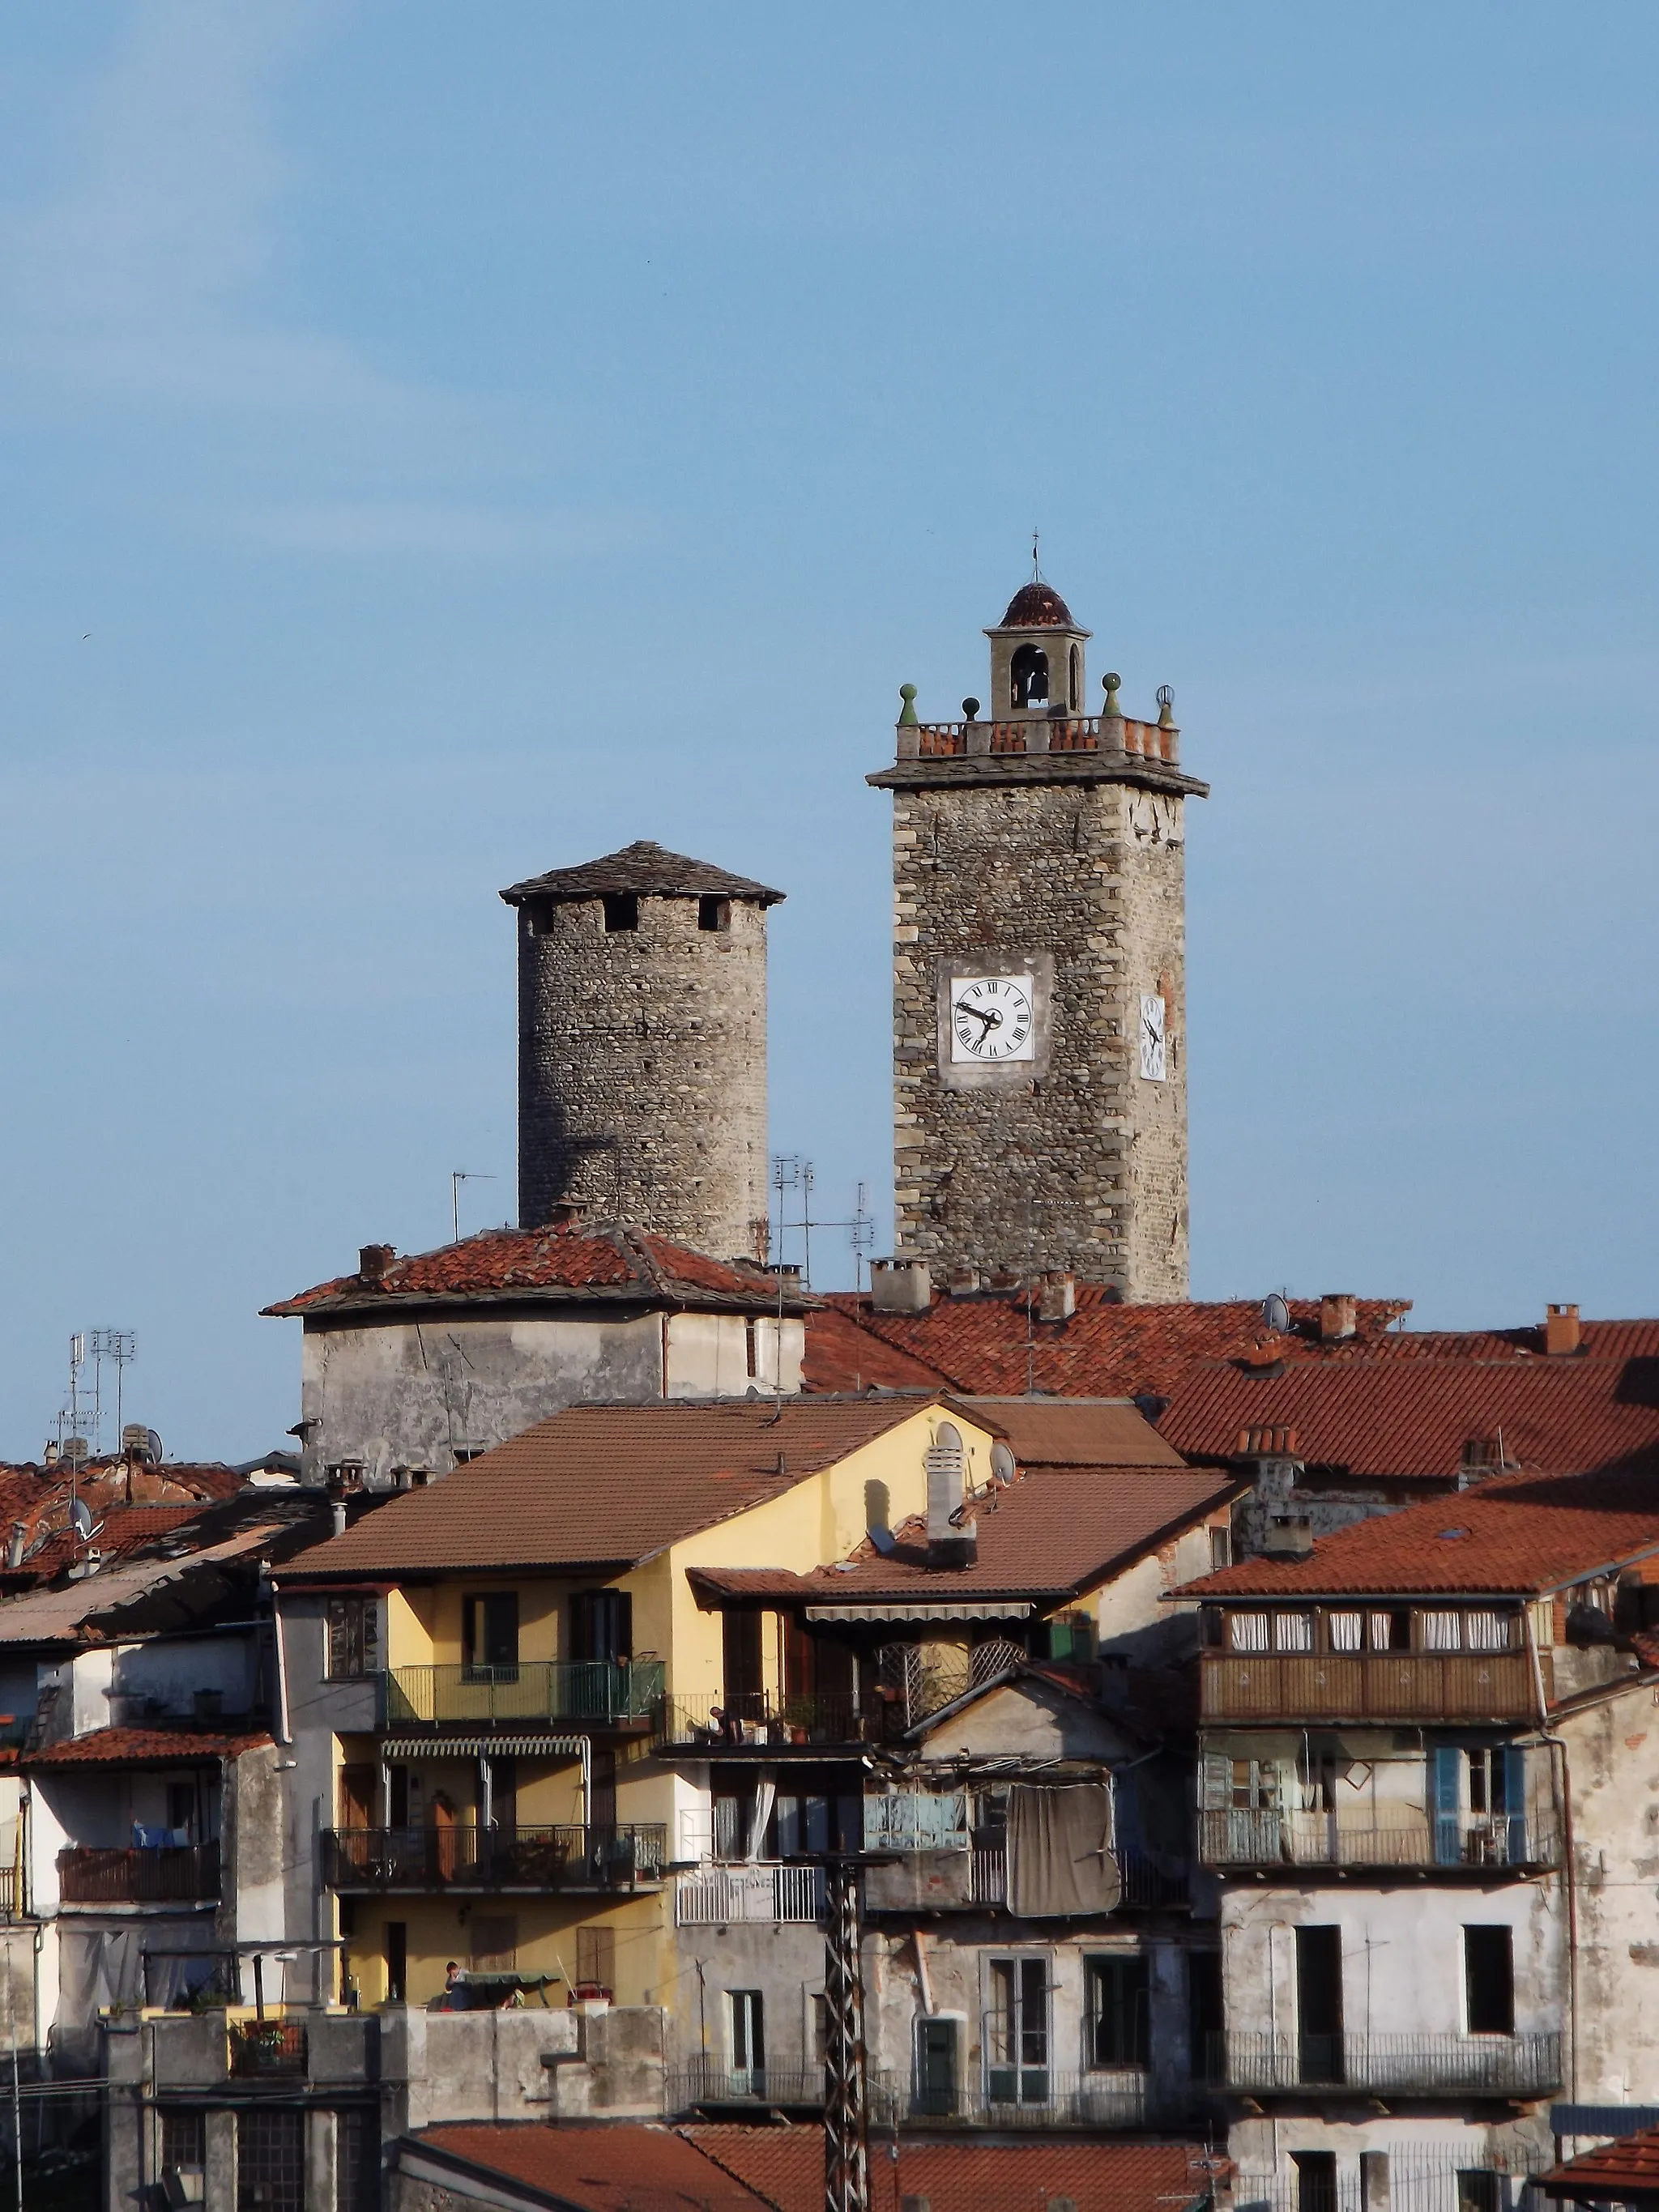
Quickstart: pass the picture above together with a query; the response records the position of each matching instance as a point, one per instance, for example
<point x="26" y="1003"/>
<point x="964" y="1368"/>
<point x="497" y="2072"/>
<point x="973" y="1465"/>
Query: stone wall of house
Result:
<point x="1079" y="1162"/>
<point x="642" y="1068"/>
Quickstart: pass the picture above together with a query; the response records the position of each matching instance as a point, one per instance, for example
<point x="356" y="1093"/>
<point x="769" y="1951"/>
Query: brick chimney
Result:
<point x="373" y="1259"/>
<point x="1057" y="1296"/>
<point x="567" y="1213"/>
<point x="963" y="1281"/>
<point x="1561" y="1331"/>
<point x="900" y="1287"/>
<point x="1336" y="1316"/>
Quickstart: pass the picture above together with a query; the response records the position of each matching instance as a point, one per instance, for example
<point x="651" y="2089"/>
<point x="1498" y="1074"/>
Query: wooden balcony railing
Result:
<point x="1414" y="1686"/>
<point x="1264" y="1837"/>
<point x="599" y="1693"/>
<point x="171" y="1874"/>
<point x="533" y="1859"/>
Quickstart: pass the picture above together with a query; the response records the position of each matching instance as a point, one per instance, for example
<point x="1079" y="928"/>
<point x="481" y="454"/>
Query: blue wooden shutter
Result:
<point x="1448" y="1758"/>
<point x="1514" y="1803"/>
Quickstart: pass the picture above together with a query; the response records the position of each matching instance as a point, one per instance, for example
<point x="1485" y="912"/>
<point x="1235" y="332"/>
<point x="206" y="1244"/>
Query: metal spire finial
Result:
<point x="1036" y="573"/>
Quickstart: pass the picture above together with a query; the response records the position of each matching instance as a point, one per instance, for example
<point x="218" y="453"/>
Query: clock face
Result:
<point x="1154" y="1056"/>
<point x="992" y="1018"/>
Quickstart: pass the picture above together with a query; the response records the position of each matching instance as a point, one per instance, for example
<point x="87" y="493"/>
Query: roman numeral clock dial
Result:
<point x="992" y="1019"/>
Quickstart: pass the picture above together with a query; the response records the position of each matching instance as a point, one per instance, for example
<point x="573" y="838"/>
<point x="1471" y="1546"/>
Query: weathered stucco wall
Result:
<point x="396" y="1392"/>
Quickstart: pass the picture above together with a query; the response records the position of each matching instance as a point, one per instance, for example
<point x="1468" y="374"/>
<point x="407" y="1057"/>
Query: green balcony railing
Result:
<point x="599" y="1693"/>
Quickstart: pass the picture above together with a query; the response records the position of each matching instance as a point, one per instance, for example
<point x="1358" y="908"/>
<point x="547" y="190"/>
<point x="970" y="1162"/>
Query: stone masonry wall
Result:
<point x="1084" y="1166"/>
<point x="642" y="1069"/>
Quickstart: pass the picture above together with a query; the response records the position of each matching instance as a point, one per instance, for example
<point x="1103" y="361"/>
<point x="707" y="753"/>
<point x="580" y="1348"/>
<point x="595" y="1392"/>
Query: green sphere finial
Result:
<point x="909" y="717"/>
<point x="1109" y="684"/>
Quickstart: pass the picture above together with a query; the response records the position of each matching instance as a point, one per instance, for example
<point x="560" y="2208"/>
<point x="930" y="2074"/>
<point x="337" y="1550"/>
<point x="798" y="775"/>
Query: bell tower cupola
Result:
<point x="1036" y="657"/>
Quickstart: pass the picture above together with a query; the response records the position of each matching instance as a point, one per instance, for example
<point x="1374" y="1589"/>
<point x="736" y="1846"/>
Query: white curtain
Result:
<point x="1443" y="1631"/>
<point x="1249" y="1631"/>
<point x="1293" y="1631"/>
<point x="1347" y="1631"/>
<point x="1486" y="1631"/>
<point x="766" y="1791"/>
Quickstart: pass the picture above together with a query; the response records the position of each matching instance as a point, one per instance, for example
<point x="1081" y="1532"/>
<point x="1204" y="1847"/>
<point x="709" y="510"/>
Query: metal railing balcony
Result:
<point x="777" y="1894"/>
<point x="1010" y="2097"/>
<point x="533" y="1859"/>
<point x="1413" y="1685"/>
<point x="597" y="1693"/>
<point x="1264" y="1837"/>
<point x="772" y="1719"/>
<point x="183" y="1874"/>
<point x="707" y="2086"/>
<point x="1145" y="1887"/>
<point x="1415" y="2065"/>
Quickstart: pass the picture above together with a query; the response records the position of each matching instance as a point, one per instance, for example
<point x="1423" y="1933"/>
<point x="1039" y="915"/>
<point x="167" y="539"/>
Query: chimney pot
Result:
<point x="373" y="1259"/>
<point x="1561" y="1331"/>
<point x="900" y="1287"/>
<point x="1057" y="1296"/>
<point x="1288" y="1536"/>
<point x="568" y="1213"/>
<point x="337" y="1514"/>
<point x="963" y="1281"/>
<point x="1336" y="1316"/>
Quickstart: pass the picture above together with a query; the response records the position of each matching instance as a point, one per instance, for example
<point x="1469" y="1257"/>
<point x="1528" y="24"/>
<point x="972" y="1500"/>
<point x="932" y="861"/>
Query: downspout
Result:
<point x="1557" y="1744"/>
<point x="284" y="1734"/>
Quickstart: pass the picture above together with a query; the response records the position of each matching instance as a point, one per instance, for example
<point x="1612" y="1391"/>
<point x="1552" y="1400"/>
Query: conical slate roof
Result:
<point x="646" y="869"/>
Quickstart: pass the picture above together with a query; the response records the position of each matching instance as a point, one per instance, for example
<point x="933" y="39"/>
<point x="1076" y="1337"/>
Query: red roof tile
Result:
<point x="1626" y="2168"/>
<point x="621" y="2168"/>
<point x="601" y="1261"/>
<point x="1056" y="1530"/>
<point x="1106" y="1349"/>
<point x="1401" y="1414"/>
<point x="605" y="1485"/>
<point x="785" y="2164"/>
<point x="1037" y="607"/>
<point x="134" y="1747"/>
<point x="1516" y="1534"/>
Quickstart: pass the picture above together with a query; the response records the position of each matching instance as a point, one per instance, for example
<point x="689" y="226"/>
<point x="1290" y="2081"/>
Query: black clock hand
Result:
<point x="988" y="1015"/>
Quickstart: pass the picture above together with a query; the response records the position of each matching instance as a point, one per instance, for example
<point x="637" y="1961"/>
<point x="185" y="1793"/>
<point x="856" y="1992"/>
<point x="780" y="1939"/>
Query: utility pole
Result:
<point x="846" y="2102"/>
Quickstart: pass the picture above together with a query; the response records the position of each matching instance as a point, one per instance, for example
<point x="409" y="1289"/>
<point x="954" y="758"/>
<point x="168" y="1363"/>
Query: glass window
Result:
<point x="1390" y="1631"/>
<point x="1443" y="1631"/>
<point x="1486" y="1631"/>
<point x="1489" y="1980"/>
<point x="353" y="1637"/>
<point x="1119" y="2005"/>
<point x="1016" y="2031"/>
<point x="748" y="2012"/>
<point x="490" y="1635"/>
<point x="270" y="2161"/>
<point x="1293" y="1631"/>
<point x="1347" y="1631"/>
<point x="183" y="2140"/>
<point x="1249" y="1631"/>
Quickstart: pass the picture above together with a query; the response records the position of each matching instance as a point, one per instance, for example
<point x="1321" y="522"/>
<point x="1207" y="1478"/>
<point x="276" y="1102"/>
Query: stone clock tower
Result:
<point x="1039" y="975"/>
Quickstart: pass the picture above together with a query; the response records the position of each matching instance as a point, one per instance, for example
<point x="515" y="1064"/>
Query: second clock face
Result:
<point x="992" y="1018"/>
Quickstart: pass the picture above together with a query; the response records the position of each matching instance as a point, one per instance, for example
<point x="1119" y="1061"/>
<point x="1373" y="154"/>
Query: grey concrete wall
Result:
<point x="1083" y="1166"/>
<point x="642" y="1069"/>
<point x="406" y="1392"/>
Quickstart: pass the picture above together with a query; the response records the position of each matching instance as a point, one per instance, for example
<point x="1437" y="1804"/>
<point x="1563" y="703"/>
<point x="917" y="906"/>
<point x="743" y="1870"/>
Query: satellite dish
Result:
<point x="1276" y="1313"/>
<point x="80" y="1518"/>
<point x="1002" y="1465"/>
<point x="154" y="1438"/>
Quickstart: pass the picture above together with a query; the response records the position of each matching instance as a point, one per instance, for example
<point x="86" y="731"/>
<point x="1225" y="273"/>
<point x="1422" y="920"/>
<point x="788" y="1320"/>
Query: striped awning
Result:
<point x="965" y="1609"/>
<point x="483" y="1747"/>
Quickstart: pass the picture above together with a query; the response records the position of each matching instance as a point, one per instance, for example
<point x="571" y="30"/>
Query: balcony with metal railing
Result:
<point x="772" y="1721"/>
<point x="622" y="1694"/>
<point x="183" y="1874"/>
<point x="530" y="1859"/>
<point x="1329" y="1685"/>
<point x="1263" y="1837"/>
<point x="770" y="1894"/>
<point x="1510" y="2066"/>
<point x="710" y="2087"/>
<point x="263" y="2048"/>
<point x="1128" y="2098"/>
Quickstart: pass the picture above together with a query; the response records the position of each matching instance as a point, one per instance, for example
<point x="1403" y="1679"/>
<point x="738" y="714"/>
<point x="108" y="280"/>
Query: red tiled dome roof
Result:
<point x="1037" y="607"/>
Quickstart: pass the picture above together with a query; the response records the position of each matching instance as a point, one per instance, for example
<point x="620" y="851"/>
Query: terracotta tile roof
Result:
<point x="1516" y="1534"/>
<point x="607" y="1484"/>
<point x="1106" y="1349"/>
<point x="1037" y="607"/>
<point x="842" y="1356"/>
<point x="786" y="2166"/>
<point x="1056" y="1530"/>
<point x="136" y="1746"/>
<point x="621" y="2168"/>
<point x="1627" y="2168"/>
<point x="601" y="1261"/>
<point x="1410" y="1413"/>
<point x="1098" y="1432"/>
<point x="646" y="869"/>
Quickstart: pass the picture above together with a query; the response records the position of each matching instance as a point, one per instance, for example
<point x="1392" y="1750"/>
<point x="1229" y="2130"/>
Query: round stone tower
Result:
<point x="643" y="1047"/>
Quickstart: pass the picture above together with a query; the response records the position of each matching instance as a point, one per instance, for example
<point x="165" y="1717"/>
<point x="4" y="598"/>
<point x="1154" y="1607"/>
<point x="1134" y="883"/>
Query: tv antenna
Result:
<point x="120" y="1347"/>
<point x="790" y="1171"/>
<point x="456" y="1177"/>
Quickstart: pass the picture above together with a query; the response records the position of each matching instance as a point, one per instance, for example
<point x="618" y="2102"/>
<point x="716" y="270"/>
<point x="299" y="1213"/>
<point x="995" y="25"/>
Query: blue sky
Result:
<point x="441" y="444"/>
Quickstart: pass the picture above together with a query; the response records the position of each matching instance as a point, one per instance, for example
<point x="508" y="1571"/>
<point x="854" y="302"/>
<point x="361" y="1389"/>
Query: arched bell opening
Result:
<point x="1074" y="687"/>
<point x="1028" y="678"/>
